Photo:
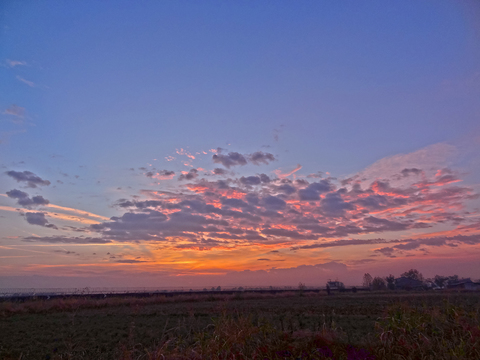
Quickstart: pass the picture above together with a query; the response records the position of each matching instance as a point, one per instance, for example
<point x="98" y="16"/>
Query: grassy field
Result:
<point x="245" y="326"/>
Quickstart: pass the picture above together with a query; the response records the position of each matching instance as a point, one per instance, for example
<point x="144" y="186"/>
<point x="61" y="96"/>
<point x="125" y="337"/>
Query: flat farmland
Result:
<point x="240" y="326"/>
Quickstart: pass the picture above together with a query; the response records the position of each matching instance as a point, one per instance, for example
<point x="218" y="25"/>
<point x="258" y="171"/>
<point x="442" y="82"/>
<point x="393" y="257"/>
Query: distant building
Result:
<point x="404" y="283"/>
<point x="463" y="284"/>
<point x="335" y="285"/>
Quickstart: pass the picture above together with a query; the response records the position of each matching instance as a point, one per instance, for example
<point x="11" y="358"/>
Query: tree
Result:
<point x="367" y="280"/>
<point x="390" y="282"/>
<point x="440" y="280"/>
<point x="301" y="288"/>
<point x="413" y="274"/>
<point x="378" y="284"/>
<point x="452" y="279"/>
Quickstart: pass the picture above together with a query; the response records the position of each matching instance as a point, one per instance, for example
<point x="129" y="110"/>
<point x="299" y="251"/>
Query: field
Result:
<point x="293" y="325"/>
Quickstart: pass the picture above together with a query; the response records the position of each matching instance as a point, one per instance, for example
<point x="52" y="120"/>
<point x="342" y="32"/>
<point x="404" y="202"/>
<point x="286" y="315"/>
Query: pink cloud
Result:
<point x="281" y="175"/>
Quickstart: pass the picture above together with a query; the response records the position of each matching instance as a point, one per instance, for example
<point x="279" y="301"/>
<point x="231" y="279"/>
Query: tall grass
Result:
<point x="447" y="332"/>
<point x="245" y="337"/>
<point x="415" y="330"/>
<point x="405" y="332"/>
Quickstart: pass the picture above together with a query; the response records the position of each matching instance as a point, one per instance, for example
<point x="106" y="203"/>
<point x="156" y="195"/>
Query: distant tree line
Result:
<point x="388" y="282"/>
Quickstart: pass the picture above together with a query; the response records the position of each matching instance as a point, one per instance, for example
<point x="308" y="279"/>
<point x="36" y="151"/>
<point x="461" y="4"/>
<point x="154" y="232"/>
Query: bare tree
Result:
<point x="367" y="280"/>
<point x="378" y="284"/>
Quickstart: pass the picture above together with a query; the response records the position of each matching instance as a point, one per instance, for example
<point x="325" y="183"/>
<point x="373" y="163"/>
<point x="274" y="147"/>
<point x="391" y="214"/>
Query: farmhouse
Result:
<point x="404" y="283"/>
<point x="335" y="285"/>
<point x="464" y="284"/>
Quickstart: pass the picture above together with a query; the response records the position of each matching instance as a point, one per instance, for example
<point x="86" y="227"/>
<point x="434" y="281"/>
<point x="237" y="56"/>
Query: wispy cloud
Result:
<point x="13" y="63"/>
<point x="29" y="83"/>
<point x="281" y="175"/>
<point x="15" y="110"/>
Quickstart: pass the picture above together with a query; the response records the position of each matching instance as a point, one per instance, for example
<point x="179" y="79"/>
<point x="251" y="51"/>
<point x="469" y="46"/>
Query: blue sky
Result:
<point x="90" y="90"/>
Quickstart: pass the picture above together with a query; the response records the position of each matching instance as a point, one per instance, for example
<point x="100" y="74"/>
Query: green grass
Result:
<point x="247" y="326"/>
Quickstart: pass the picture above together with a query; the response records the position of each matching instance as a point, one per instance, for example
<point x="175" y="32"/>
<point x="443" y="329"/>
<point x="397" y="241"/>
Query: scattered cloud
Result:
<point x="66" y="240"/>
<point x="159" y="175"/>
<point x="130" y="261"/>
<point x="185" y="153"/>
<point x="260" y="157"/>
<point x="277" y="132"/>
<point x="237" y="159"/>
<point x="190" y="175"/>
<point x="429" y="159"/>
<point x="24" y="200"/>
<point x="256" y="210"/>
<point x="219" y="171"/>
<point x="230" y="159"/>
<point x="31" y="180"/>
<point x="38" y="218"/>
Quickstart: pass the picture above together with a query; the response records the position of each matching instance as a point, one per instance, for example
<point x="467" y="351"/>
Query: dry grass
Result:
<point x="446" y="332"/>
<point x="41" y="306"/>
<point x="245" y="326"/>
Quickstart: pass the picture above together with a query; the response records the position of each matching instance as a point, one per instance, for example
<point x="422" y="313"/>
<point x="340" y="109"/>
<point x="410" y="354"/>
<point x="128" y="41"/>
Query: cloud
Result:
<point x="434" y="156"/>
<point x="185" y="153"/>
<point x="29" y="83"/>
<point x="399" y="244"/>
<point x="192" y="174"/>
<point x="256" y="210"/>
<point x="15" y="110"/>
<point x="274" y="202"/>
<point x="277" y="132"/>
<point x="38" y="218"/>
<point x="260" y="157"/>
<point x="333" y="205"/>
<point x="312" y="191"/>
<point x="28" y="177"/>
<point x="318" y="175"/>
<point x="13" y="63"/>
<point x="24" y="200"/>
<point x="232" y="159"/>
<point x="279" y="173"/>
<point x="219" y="171"/>
<point x="160" y="175"/>
<point x="66" y="240"/>
<point x="237" y="159"/>
<point x="413" y="171"/>
<point x="250" y="180"/>
<point x="66" y="252"/>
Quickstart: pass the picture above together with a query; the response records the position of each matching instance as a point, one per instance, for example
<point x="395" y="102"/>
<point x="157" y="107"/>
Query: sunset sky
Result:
<point x="237" y="143"/>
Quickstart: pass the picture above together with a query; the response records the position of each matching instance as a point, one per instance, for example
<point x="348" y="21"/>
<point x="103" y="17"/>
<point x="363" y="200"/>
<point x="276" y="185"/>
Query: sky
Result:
<point x="242" y="143"/>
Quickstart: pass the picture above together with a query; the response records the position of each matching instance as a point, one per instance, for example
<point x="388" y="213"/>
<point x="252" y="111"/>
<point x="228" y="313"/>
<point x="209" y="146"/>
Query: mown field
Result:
<point x="245" y="326"/>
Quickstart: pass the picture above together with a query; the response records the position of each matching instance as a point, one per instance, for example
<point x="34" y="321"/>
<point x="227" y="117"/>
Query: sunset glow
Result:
<point x="185" y="144"/>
